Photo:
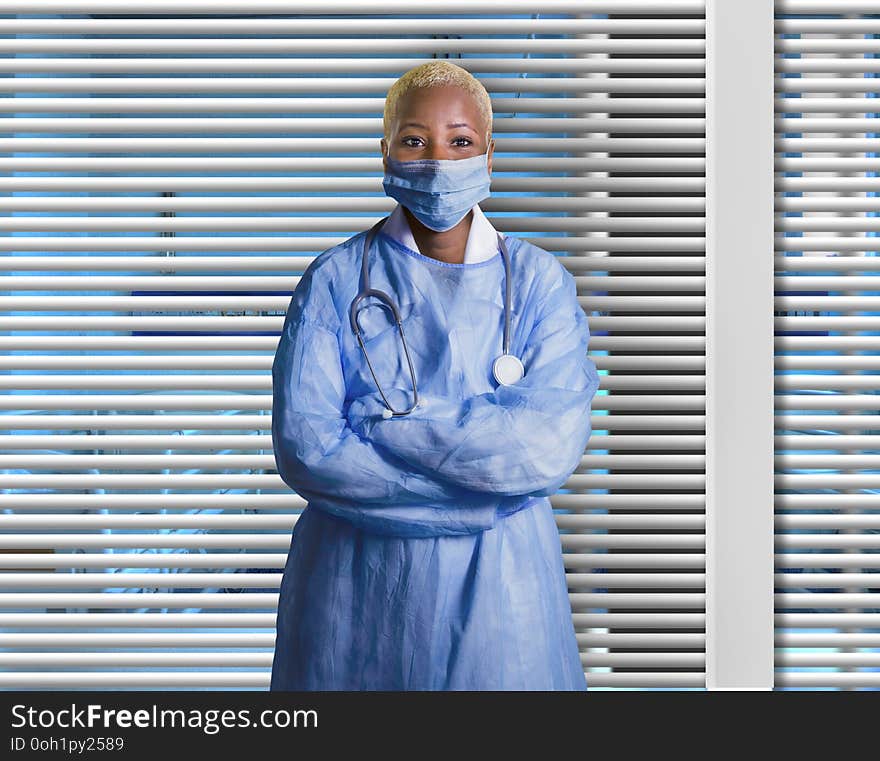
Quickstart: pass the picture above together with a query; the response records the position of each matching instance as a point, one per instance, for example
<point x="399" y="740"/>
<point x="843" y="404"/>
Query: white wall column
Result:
<point x="739" y="344"/>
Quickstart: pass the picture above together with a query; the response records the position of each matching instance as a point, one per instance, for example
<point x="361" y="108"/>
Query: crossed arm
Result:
<point x="525" y="438"/>
<point x="316" y="452"/>
<point x="522" y="439"/>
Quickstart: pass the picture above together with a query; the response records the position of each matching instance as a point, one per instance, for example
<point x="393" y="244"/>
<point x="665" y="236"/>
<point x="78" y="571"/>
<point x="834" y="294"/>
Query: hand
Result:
<point x="369" y="410"/>
<point x="365" y="412"/>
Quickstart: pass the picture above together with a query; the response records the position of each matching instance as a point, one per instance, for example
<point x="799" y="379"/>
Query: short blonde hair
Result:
<point x="436" y="73"/>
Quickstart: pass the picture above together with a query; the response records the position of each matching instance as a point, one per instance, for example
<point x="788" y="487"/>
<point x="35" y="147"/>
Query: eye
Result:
<point x="467" y="141"/>
<point x="410" y="137"/>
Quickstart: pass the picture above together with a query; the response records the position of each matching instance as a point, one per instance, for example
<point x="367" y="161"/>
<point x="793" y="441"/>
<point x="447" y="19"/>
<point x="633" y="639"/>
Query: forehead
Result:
<point x="439" y="101"/>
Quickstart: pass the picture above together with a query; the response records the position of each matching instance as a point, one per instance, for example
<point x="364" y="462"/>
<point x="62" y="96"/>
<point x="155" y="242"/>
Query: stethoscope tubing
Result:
<point x="366" y="291"/>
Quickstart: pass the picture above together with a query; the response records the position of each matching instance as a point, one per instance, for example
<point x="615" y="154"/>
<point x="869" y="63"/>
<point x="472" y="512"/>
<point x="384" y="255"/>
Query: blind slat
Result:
<point x="102" y="255"/>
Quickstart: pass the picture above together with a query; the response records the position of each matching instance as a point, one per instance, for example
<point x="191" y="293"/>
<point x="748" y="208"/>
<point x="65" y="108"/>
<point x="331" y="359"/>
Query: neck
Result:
<point x="445" y="246"/>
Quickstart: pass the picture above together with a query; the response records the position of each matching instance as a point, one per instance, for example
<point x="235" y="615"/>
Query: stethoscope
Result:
<point x="507" y="368"/>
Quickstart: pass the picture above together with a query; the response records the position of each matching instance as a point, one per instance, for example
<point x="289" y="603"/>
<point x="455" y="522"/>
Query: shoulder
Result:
<point x="332" y="262"/>
<point x="315" y="297"/>
<point x="543" y="271"/>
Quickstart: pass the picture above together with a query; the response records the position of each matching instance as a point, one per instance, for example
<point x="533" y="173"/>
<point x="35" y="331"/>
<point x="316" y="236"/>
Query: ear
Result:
<point x="383" y="146"/>
<point x="489" y="152"/>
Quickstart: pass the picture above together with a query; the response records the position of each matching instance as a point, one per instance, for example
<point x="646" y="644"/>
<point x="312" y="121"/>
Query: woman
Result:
<point x="428" y="557"/>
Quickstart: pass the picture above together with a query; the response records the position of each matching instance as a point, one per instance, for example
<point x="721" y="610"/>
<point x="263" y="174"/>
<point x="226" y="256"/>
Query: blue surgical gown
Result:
<point x="428" y="557"/>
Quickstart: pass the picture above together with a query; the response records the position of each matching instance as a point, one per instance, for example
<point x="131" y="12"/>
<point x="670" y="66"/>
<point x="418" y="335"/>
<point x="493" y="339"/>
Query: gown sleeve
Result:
<point x="317" y="454"/>
<point x="526" y="438"/>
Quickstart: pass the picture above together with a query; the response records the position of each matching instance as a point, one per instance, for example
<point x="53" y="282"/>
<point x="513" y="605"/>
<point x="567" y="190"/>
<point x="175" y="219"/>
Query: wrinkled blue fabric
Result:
<point x="428" y="557"/>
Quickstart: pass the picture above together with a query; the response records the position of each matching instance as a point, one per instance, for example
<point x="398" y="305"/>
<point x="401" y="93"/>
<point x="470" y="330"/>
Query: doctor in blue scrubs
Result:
<point x="431" y="391"/>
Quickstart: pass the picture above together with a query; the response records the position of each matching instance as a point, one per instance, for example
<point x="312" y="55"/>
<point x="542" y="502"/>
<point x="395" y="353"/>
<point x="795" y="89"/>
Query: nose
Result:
<point x="438" y="150"/>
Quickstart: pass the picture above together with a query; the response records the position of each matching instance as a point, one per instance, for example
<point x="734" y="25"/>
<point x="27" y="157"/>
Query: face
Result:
<point x="440" y="122"/>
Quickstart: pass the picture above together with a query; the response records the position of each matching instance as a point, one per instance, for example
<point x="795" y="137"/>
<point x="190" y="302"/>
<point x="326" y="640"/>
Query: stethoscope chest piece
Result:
<point x="507" y="369"/>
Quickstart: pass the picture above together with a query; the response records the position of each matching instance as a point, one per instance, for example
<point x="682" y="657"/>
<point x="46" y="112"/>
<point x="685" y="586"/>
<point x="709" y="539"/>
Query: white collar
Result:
<point x="482" y="242"/>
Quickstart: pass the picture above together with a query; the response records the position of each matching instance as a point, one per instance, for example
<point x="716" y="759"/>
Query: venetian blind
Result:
<point x="827" y="324"/>
<point x="173" y="166"/>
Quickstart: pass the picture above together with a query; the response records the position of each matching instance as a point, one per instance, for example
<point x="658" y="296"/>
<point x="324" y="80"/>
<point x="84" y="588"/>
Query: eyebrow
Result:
<point x="451" y="124"/>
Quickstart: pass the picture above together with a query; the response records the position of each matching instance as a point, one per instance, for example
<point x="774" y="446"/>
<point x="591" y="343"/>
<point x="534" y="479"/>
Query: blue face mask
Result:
<point x="439" y="192"/>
